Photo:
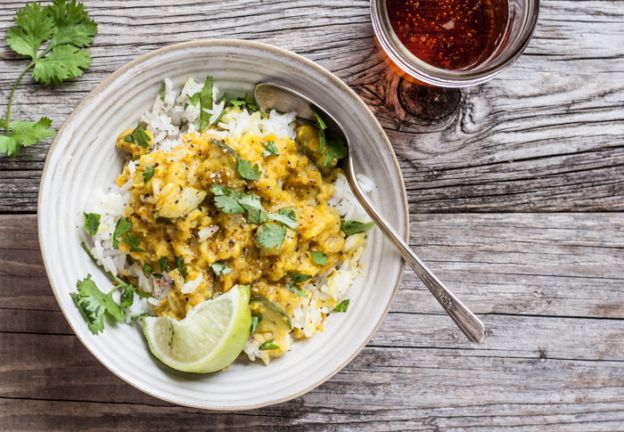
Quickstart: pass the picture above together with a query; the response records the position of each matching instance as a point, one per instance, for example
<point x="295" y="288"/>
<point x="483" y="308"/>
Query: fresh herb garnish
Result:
<point x="181" y="266"/>
<point x="226" y="200"/>
<point x="286" y="216"/>
<point x="245" y="102"/>
<point x="147" y="270"/>
<point x="164" y="264"/>
<point x="148" y="173"/>
<point x="320" y="126"/>
<point x="296" y="290"/>
<point x="91" y="223"/>
<point x="252" y="204"/>
<point x="55" y="39"/>
<point x="270" y="150"/>
<point x="270" y="235"/>
<point x="247" y="170"/>
<point x="350" y="227"/>
<point x="133" y="241"/>
<point x="268" y="345"/>
<point x="94" y="304"/>
<point x="319" y="258"/>
<point x="300" y="277"/>
<point x="205" y="103"/>
<point x="127" y="297"/>
<point x="123" y="226"/>
<point x="336" y="149"/>
<point x="342" y="306"/>
<point x="220" y="268"/>
<point x="139" y="136"/>
<point x="255" y="319"/>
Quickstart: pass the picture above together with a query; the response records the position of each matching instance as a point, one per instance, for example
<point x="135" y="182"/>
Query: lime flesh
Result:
<point x="208" y="339"/>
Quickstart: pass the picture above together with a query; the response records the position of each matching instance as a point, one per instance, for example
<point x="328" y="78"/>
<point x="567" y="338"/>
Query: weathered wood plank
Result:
<point x="544" y="136"/>
<point x="526" y="264"/>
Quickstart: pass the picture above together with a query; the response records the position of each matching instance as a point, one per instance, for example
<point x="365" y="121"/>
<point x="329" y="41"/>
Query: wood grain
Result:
<point x="544" y="136"/>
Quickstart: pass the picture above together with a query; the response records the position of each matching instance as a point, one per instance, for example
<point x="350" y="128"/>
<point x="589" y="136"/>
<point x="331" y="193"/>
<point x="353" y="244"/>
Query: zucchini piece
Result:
<point x="272" y="317"/>
<point x="178" y="205"/>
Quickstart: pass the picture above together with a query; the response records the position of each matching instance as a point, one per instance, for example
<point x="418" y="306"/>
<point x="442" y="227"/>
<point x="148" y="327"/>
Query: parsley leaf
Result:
<point x="93" y="304"/>
<point x="319" y="258"/>
<point x="226" y="200"/>
<point x="296" y="290"/>
<point x="268" y="345"/>
<point x="350" y="227"/>
<point x="342" y="306"/>
<point x="123" y="226"/>
<point x="181" y="266"/>
<point x="270" y="149"/>
<point x="270" y="235"/>
<point x="247" y="170"/>
<point x="220" y="268"/>
<point x="139" y="137"/>
<point x="286" y="216"/>
<point x="91" y="223"/>
<point x="205" y="102"/>
<point x="148" y="173"/>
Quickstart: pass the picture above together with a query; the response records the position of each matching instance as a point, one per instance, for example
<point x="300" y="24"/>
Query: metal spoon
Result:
<point x="272" y="96"/>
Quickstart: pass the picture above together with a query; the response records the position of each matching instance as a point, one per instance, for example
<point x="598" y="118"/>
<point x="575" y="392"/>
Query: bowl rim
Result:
<point x="234" y="43"/>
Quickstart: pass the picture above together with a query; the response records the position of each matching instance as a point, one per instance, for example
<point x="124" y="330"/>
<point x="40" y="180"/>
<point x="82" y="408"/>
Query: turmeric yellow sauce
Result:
<point x="172" y="201"/>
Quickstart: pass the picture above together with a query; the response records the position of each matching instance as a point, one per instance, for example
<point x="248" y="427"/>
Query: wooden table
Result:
<point x="516" y="193"/>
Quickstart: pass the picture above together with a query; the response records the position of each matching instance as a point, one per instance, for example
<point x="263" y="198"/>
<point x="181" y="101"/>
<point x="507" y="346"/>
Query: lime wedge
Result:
<point x="208" y="339"/>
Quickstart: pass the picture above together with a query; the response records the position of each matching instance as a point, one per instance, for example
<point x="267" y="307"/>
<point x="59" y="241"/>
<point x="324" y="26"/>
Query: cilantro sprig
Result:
<point x="94" y="304"/>
<point x="55" y="38"/>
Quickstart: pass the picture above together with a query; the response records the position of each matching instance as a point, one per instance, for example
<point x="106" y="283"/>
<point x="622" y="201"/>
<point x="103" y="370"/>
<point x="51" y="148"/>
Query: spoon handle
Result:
<point x="472" y="327"/>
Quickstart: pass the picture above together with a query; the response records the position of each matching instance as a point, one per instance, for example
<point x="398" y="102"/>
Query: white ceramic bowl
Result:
<point x="83" y="159"/>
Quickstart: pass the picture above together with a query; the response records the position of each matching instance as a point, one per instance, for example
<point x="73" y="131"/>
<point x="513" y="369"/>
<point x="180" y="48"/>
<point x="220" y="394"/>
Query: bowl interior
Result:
<point x="83" y="159"/>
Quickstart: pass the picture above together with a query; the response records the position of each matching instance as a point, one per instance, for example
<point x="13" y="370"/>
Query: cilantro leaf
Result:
<point x="226" y="200"/>
<point x="123" y="226"/>
<point x="286" y="216"/>
<point x="252" y="204"/>
<point x="33" y="27"/>
<point x="336" y="150"/>
<point x="319" y="258"/>
<point x="127" y="297"/>
<point x="205" y="102"/>
<point x="91" y="223"/>
<point x="245" y="102"/>
<point x="270" y="235"/>
<point x="300" y="277"/>
<point x="270" y="149"/>
<point x="181" y="266"/>
<point x="140" y="137"/>
<point x="247" y="170"/>
<point x="220" y="268"/>
<point x="342" y="306"/>
<point x="147" y="270"/>
<point x="148" y="173"/>
<point x="25" y="134"/>
<point x="268" y="345"/>
<point x="296" y="290"/>
<point x="73" y="25"/>
<point x="64" y="62"/>
<point x="350" y="227"/>
<point x="93" y="304"/>
<point x="164" y="264"/>
<point x="133" y="241"/>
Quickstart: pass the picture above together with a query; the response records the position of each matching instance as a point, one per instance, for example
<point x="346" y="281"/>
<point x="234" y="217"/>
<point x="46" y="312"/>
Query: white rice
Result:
<point x="173" y="114"/>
